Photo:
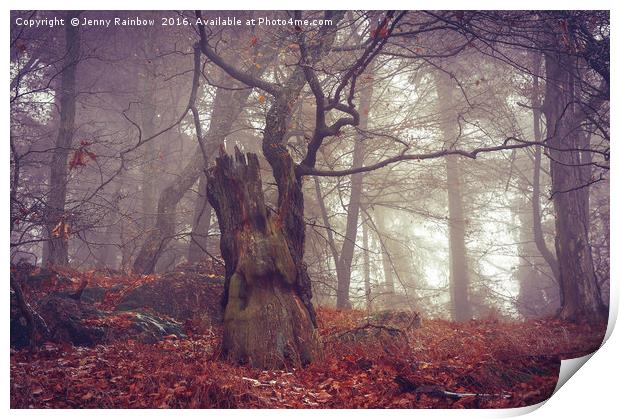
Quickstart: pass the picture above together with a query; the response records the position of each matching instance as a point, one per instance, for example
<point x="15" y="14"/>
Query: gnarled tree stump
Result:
<point x="266" y="324"/>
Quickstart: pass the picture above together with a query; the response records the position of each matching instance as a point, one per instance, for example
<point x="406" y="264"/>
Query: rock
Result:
<point x="143" y="327"/>
<point x="188" y="298"/>
<point x="151" y="329"/>
<point x="186" y="295"/>
<point x="19" y="333"/>
<point x="79" y="323"/>
<point x="64" y="317"/>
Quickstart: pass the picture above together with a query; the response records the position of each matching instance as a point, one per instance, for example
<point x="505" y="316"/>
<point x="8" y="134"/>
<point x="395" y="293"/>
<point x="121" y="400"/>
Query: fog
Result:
<point x="434" y="169"/>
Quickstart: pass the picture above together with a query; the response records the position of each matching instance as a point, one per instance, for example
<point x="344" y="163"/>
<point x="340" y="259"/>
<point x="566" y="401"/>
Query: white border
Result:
<point x="593" y="392"/>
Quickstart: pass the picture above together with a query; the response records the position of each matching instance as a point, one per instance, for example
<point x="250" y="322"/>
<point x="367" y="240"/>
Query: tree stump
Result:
<point x="266" y="323"/>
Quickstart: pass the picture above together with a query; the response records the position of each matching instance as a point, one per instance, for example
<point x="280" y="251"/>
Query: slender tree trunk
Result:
<point x="531" y="302"/>
<point x="459" y="270"/>
<point x="386" y="260"/>
<point x="201" y="225"/>
<point x="163" y="231"/>
<point x="366" y="253"/>
<point x="343" y="268"/>
<point x="539" y="237"/>
<point x="148" y="117"/>
<point x="56" y="250"/>
<point x="148" y="188"/>
<point x="581" y="298"/>
<point x="330" y="234"/>
<point x="227" y="107"/>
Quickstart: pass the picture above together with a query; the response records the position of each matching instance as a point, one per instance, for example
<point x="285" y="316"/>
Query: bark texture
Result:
<point x="266" y="324"/>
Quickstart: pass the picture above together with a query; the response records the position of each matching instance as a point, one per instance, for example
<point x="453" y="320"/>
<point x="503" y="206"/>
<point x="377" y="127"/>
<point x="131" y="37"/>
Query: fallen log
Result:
<point x="408" y="386"/>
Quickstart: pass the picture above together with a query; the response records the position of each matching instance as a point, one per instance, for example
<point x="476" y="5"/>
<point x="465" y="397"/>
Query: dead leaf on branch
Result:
<point x="62" y="229"/>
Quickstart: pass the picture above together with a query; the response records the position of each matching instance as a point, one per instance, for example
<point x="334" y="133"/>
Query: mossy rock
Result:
<point x="79" y="323"/>
<point x="181" y="295"/>
<point x="19" y="337"/>
<point x="64" y="316"/>
<point x="141" y="326"/>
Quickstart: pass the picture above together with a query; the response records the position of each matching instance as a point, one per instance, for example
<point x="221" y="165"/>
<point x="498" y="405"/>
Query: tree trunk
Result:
<point x="539" y="237"/>
<point x="581" y="298"/>
<point x="386" y="260"/>
<point x="148" y="115"/>
<point x="330" y="234"/>
<point x="459" y="270"/>
<point x="266" y="324"/>
<point x="160" y="235"/>
<point x="201" y="225"/>
<point x="343" y="267"/>
<point x="367" y="288"/>
<point x="227" y="107"/>
<point x="286" y="324"/>
<point x="536" y="296"/>
<point x="56" y="250"/>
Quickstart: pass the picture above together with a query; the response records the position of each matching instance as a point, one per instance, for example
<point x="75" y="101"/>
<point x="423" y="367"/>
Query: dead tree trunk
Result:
<point x="56" y="251"/>
<point x="581" y="297"/>
<point x="266" y="324"/>
<point x="282" y="280"/>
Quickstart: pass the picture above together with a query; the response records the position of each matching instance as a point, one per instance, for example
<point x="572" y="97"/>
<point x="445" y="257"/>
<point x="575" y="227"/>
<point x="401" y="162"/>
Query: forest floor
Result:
<point x="440" y="364"/>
